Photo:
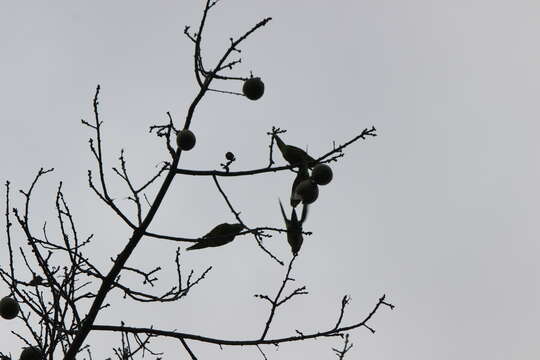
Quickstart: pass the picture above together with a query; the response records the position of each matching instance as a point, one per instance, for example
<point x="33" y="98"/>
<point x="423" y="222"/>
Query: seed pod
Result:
<point x="9" y="308"/>
<point x="229" y="156"/>
<point x="322" y="174"/>
<point x="253" y="88"/>
<point x="31" y="353"/>
<point x="185" y="139"/>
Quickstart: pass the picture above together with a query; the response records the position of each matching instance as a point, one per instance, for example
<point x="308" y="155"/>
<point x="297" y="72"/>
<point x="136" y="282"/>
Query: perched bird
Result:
<point x="294" y="228"/>
<point x="302" y="175"/>
<point x="293" y="154"/>
<point x="220" y="235"/>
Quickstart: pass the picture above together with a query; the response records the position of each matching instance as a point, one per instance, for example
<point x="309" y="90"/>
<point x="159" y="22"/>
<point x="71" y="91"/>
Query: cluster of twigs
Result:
<point x="61" y="291"/>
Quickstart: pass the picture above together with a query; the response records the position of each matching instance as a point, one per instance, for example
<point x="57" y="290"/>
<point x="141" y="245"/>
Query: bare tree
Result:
<point x="58" y="305"/>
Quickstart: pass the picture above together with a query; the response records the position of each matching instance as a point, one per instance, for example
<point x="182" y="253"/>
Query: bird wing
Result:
<point x="294" y="233"/>
<point x="305" y="211"/>
<point x="217" y="230"/>
<point x="296" y="155"/>
<point x="216" y="237"/>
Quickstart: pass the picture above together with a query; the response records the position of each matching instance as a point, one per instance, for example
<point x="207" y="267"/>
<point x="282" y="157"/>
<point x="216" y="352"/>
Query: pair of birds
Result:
<point x="296" y="156"/>
<point x="225" y="233"/>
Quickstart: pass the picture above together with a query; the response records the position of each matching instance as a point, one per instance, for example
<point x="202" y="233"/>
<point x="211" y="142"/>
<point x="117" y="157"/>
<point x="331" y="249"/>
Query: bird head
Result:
<point x="236" y="228"/>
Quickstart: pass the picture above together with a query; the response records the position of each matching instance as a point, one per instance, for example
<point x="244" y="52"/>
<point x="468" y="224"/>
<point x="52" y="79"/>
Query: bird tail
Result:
<point x="282" y="211"/>
<point x="305" y="211"/>
<point x="281" y="145"/>
<point x="199" y="245"/>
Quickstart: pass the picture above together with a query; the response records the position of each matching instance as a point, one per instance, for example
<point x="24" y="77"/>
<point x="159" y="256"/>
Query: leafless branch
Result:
<point x="58" y="276"/>
<point x="257" y="236"/>
<point x="346" y="347"/>
<point x="226" y="342"/>
<point x="276" y="302"/>
<point x="330" y="156"/>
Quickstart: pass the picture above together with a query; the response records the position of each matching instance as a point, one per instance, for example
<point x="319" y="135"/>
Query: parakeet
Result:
<point x="220" y="235"/>
<point x="302" y="175"/>
<point x="294" y="228"/>
<point x="292" y="154"/>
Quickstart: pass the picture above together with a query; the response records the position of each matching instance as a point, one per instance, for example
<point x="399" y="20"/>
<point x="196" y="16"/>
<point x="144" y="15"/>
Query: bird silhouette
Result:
<point x="293" y="154"/>
<point x="220" y="235"/>
<point x="294" y="228"/>
<point x="302" y="175"/>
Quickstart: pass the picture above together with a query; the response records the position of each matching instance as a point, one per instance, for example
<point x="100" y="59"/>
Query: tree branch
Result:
<point x="226" y="342"/>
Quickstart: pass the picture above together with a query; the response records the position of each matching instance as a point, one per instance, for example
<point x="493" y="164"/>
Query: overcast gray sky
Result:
<point x="440" y="212"/>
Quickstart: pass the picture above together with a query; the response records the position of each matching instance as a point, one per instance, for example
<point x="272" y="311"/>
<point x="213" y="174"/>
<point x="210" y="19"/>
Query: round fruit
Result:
<point x="322" y="174"/>
<point x="185" y="139"/>
<point x="9" y="308"/>
<point x="253" y="88"/>
<point x="229" y="156"/>
<point x="308" y="191"/>
<point x="31" y="353"/>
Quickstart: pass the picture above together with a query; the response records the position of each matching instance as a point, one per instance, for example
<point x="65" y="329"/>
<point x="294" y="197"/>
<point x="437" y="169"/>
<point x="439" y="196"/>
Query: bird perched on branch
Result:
<point x="302" y="175"/>
<point x="220" y="235"/>
<point x="294" y="228"/>
<point x="293" y="154"/>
